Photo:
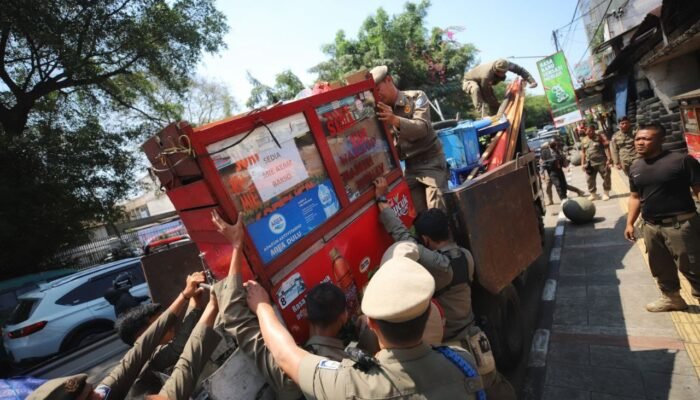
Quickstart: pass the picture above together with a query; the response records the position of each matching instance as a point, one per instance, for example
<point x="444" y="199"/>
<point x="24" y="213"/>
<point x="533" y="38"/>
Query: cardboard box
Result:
<point x="358" y="76"/>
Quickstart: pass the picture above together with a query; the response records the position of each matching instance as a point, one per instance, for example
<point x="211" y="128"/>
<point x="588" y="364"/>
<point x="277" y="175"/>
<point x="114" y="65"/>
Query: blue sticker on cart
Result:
<point x="276" y="232"/>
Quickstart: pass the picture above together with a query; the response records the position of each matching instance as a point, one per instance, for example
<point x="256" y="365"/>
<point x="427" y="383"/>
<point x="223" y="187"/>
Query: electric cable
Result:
<point x="595" y="32"/>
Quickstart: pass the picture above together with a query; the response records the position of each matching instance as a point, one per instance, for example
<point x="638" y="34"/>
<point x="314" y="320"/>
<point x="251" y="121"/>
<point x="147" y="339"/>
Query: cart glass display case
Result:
<point x="275" y="176"/>
<point x="356" y="140"/>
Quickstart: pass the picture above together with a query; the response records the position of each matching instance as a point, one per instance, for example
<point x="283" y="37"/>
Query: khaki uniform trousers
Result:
<point x="427" y="180"/>
<point x="674" y="247"/>
<point x="604" y="172"/>
<point x="195" y="355"/>
<point x="482" y="108"/>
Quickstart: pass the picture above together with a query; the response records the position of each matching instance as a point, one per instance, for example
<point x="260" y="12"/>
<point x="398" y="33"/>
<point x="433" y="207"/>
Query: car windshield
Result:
<point x="22" y="311"/>
<point x="535" y="144"/>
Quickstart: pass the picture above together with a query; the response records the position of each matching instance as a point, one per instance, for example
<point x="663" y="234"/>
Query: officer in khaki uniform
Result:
<point x="622" y="146"/>
<point x="408" y="114"/>
<point x="165" y="356"/>
<point x="121" y="379"/>
<point x="595" y="159"/>
<point x="396" y="302"/>
<point x="434" y="328"/>
<point x="453" y="269"/>
<point x="479" y="81"/>
<point x="553" y="161"/>
<point x="244" y="327"/>
<point x="197" y="351"/>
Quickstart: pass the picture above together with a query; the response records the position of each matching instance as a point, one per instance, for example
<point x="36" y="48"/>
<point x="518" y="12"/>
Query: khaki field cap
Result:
<point x="379" y="73"/>
<point x="404" y="248"/>
<point x="501" y="66"/>
<point x="56" y="389"/>
<point x="400" y="291"/>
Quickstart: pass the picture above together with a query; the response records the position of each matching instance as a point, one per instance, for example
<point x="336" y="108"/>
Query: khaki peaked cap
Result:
<point x="379" y="73"/>
<point x="55" y="388"/>
<point x="403" y="248"/>
<point x="399" y="291"/>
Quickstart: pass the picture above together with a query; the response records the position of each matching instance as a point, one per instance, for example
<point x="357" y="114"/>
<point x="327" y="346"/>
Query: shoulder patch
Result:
<point x="329" y="364"/>
<point x="104" y="391"/>
<point x="421" y="100"/>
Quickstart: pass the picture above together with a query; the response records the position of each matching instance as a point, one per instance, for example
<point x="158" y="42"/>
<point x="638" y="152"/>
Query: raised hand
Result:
<point x="234" y="233"/>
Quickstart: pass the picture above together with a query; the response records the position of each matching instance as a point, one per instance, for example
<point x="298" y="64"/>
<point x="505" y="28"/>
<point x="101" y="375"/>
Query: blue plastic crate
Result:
<point x="461" y="144"/>
<point x="453" y="146"/>
<point x="461" y="147"/>
<point x="470" y="142"/>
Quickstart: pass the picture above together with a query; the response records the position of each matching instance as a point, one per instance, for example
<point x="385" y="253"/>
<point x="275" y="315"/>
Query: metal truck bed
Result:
<point x="494" y="216"/>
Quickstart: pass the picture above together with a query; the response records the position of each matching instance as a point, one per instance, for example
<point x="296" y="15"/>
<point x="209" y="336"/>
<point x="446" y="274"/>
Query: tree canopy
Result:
<point x="76" y="95"/>
<point x="420" y="58"/>
<point x="287" y="85"/>
<point x="537" y="111"/>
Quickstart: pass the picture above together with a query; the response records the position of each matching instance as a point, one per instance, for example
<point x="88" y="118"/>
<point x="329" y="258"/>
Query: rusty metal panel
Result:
<point x="166" y="271"/>
<point x="495" y="218"/>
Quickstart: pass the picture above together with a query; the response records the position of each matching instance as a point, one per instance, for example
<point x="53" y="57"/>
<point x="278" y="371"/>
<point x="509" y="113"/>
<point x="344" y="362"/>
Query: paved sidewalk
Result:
<point x="603" y="344"/>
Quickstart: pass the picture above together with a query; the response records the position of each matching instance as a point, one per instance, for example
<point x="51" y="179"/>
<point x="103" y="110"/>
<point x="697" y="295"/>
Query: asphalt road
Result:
<point x="95" y="359"/>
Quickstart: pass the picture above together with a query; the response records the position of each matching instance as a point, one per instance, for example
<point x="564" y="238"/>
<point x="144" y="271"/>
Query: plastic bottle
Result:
<point x="328" y="200"/>
<point x="344" y="279"/>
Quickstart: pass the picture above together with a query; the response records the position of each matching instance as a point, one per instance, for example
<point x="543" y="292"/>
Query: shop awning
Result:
<point x="688" y="95"/>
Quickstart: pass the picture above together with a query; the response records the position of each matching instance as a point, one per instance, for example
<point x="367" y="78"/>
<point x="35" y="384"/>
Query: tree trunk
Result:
<point x="14" y="120"/>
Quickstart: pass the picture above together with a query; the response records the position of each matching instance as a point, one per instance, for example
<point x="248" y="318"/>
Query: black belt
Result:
<point x="676" y="219"/>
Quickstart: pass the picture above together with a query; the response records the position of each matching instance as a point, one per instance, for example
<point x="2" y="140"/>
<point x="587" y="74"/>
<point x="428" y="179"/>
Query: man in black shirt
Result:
<point x="659" y="188"/>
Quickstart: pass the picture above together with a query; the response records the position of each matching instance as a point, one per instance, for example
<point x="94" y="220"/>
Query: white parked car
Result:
<point x="68" y="312"/>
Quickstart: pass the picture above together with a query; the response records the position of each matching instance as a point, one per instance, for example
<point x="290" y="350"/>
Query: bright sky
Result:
<point x="268" y="36"/>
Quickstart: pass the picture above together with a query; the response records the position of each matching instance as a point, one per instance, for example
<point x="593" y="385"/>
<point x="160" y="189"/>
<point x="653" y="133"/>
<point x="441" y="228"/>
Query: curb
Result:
<point x="537" y="360"/>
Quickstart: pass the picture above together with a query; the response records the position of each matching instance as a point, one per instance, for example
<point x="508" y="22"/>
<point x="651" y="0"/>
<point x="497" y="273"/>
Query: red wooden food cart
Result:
<point x="301" y="174"/>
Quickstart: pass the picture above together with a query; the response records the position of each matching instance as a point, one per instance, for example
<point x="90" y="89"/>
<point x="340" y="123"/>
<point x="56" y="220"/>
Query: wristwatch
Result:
<point x="382" y="199"/>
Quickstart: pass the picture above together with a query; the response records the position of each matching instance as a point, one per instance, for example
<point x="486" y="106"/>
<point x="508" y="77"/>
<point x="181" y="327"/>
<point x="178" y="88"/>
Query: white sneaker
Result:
<point x="593" y="197"/>
<point x="605" y="197"/>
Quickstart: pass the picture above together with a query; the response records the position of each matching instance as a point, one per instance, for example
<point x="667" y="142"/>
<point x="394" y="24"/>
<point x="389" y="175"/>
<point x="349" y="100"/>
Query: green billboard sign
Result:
<point x="559" y="89"/>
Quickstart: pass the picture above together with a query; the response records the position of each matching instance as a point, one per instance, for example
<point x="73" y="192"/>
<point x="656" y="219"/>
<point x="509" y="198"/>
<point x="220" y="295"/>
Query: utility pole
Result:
<point x="556" y="40"/>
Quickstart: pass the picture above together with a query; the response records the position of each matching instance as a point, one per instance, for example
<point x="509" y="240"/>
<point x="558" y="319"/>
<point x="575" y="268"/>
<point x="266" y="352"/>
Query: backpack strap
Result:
<point x="460" y="269"/>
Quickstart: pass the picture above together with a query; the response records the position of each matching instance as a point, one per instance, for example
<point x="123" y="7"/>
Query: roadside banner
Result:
<point x="559" y="89"/>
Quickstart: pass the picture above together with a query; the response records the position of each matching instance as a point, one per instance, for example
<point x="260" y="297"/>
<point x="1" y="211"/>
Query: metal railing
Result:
<point x="128" y="244"/>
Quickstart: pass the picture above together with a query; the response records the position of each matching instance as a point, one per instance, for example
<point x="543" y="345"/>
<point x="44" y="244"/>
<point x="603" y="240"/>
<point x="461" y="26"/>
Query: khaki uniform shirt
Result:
<point x="416" y="373"/>
<point x="328" y="347"/>
<point x="484" y="76"/>
<point x="243" y="325"/>
<point x="622" y="148"/>
<point x="456" y="302"/>
<point x="164" y="358"/>
<point x="122" y="377"/>
<point x="415" y="136"/>
<point x="595" y="150"/>
<point x="187" y="371"/>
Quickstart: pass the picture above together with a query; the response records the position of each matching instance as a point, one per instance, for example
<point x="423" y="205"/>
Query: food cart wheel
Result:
<point x="504" y="328"/>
